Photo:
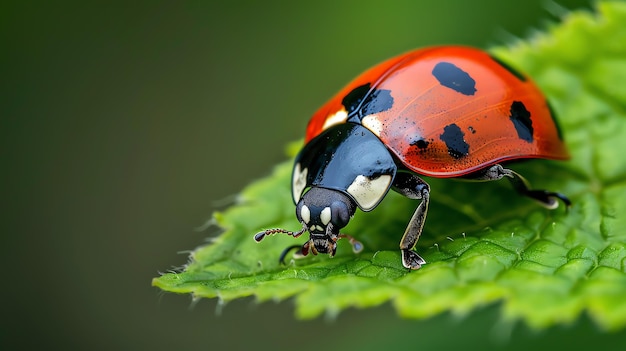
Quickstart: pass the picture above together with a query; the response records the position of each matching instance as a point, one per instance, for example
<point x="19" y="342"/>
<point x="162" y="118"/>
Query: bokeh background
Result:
<point x="123" y="126"/>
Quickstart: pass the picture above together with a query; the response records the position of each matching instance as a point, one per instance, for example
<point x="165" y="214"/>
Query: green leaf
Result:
<point x="483" y="244"/>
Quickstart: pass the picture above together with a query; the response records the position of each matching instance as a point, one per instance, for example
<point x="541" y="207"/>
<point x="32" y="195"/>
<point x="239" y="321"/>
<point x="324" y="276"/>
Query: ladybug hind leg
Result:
<point x="546" y="198"/>
<point x="413" y="187"/>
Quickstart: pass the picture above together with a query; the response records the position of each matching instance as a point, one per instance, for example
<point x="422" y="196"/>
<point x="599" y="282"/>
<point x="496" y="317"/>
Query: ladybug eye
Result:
<point x="340" y="214"/>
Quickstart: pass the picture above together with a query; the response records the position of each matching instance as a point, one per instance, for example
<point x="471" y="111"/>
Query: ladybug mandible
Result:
<point x="442" y="112"/>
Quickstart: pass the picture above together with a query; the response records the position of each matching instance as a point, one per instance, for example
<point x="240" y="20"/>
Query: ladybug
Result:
<point x="443" y="112"/>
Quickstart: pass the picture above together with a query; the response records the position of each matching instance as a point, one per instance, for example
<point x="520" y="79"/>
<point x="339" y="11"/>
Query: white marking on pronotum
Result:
<point x="337" y="118"/>
<point x="298" y="182"/>
<point x="368" y="192"/>
<point x="305" y="214"/>
<point x="372" y="123"/>
<point x="325" y="215"/>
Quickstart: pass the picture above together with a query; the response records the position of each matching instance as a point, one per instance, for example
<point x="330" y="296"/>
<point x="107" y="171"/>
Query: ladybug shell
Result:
<point x="447" y="111"/>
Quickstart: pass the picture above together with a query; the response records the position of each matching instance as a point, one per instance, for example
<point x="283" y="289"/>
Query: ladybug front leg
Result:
<point x="546" y="198"/>
<point x="413" y="187"/>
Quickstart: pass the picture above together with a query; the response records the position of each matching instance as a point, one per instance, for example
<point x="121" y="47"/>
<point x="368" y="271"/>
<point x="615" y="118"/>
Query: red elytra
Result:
<point x="492" y="112"/>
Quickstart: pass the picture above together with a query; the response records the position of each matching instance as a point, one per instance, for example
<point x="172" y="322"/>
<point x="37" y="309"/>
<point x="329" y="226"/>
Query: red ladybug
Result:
<point x="442" y="112"/>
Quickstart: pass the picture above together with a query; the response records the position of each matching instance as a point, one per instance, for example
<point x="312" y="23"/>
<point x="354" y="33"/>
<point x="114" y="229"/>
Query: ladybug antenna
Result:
<point x="260" y="235"/>
<point x="356" y="245"/>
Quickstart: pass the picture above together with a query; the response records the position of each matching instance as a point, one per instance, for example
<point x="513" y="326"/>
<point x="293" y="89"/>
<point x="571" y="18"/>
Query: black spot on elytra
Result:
<point x="364" y="100"/>
<point x="420" y="144"/>
<point x="513" y="71"/>
<point x="521" y="120"/>
<point x="556" y="122"/>
<point x="454" y="78"/>
<point x="471" y="129"/>
<point x="453" y="137"/>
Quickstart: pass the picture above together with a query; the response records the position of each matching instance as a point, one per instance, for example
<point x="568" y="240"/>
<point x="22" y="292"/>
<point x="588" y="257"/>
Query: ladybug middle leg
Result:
<point x="413" y="187"/>
<point x="546" y="198"/>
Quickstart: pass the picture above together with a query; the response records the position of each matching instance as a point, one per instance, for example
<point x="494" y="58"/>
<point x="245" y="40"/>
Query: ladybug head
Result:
<point x="323" y="212"/>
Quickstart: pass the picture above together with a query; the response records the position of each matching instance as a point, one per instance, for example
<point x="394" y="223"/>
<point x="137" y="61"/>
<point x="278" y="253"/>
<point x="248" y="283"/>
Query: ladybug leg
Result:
<point x="520" y="184"/>
<point x="413" y="187"/>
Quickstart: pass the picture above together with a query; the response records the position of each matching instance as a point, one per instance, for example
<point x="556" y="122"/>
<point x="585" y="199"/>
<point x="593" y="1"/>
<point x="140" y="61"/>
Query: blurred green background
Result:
<point x="125" y="125"/>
